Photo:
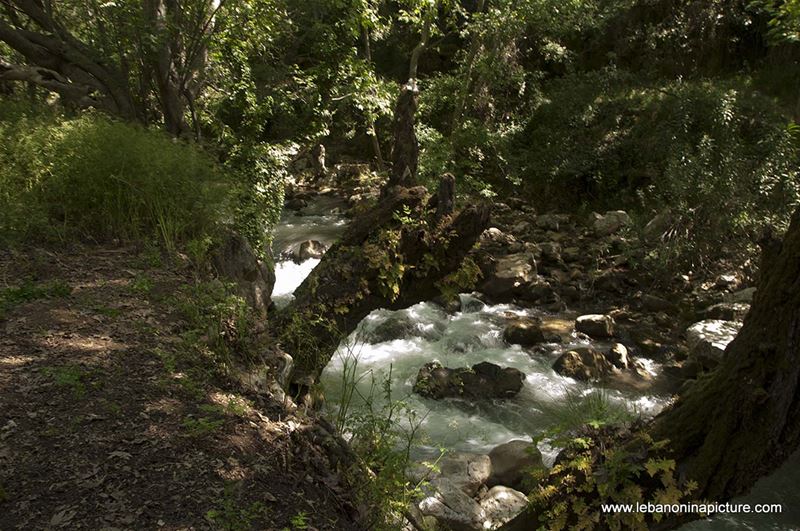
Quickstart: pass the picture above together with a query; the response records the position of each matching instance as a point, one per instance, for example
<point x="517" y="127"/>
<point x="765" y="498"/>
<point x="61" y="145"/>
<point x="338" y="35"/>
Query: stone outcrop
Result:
<point x="500" y="504"/>
<point x="451" y="507"/>
<point x="234" y="259"/>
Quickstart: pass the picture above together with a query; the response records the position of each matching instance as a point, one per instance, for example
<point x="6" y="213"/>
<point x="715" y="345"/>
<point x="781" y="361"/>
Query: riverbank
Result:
<point x="103" y="424"/>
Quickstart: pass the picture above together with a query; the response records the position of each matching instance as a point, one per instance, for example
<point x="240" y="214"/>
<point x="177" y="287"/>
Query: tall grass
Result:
<point x="583" y="406"/>
<point x="97" y="179"/>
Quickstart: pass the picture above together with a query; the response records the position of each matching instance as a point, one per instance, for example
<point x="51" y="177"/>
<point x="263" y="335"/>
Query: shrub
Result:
<point x="717" y="153"/>
<point x="94" y="178"/>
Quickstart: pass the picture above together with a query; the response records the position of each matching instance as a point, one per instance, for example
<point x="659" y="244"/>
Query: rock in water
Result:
<point x="583" y="364"/>
<point x="525" y="332"/>
<point x="708" y="339"/>
<point x="618" y="356"/>
<point x="482" y="381"/>
<point x="595" y="325"/>
<point x="310" y="249"/>
<point x="500" y="505"/>
<point x="296" y="204"/>
<point x="512" y="462"/>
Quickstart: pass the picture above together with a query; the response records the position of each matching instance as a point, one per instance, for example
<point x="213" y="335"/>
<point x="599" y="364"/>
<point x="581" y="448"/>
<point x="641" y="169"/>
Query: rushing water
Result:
<point x="462" y="340"/>
<point x="394" y="345"/>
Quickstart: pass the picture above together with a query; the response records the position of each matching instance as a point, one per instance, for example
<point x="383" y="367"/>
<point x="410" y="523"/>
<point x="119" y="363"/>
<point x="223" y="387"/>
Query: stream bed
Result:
<point x="394" y="345"/>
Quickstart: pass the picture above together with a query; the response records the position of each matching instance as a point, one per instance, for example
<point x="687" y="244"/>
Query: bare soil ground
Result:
<point x="96" y="432"/>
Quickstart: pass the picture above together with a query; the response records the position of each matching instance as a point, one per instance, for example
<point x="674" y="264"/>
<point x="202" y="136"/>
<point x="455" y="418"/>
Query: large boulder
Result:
<point x="551" y="254"/>
<point x="451" y="508"/>
<point x="614" y="367"/>
<point x="611" y="222"/>
<point x="469" y="472"/>
<point x="234" y="259"/>
<point x="481" y="381"/>
<point x="526" y="332"/>
<point x="584" y="364"/>
<point x="501" y="504"/>
<point x="494" y="240"/>
<point x="512" y="462"/>
<point x="708" y="339"/>
<point x="595" y="325"/>
<point x="509" y="275"/>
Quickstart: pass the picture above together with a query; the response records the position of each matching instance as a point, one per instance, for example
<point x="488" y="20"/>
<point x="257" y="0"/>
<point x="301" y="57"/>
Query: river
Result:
<point x="395" y="344"/>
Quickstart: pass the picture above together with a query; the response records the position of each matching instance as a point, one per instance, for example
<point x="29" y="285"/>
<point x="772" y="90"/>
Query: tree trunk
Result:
<point x="405" y="152"/>
<point x="170" y="92"/>
<point x="743" y="421"/>
<point x="395" y="255"/>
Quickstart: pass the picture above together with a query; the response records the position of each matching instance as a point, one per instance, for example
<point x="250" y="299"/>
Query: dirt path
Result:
<point x="97" y="431"/>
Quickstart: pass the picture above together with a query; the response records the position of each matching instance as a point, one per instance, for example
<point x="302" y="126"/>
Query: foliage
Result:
<point x="228" y="515"/>
<point x="584" y="407"/>
<point x="217" y="337"/>
<point x="610" y="140"/>
<point x="460" y="281"/>
<point x="94" y="178"/>
<point x="202" y="426"/>
<point x="369" y="417"/>
<point x="597" y="468"/>
<point x="213" y="309"/>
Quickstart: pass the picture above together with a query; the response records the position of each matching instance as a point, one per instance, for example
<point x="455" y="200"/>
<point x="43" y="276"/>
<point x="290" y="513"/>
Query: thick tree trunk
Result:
<point x="65" y="65"/>
<point x="405" y="152"/>
<point x="163" y="65"/>
<point x="395" y="255"/>
<point x="743" y="421"/>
